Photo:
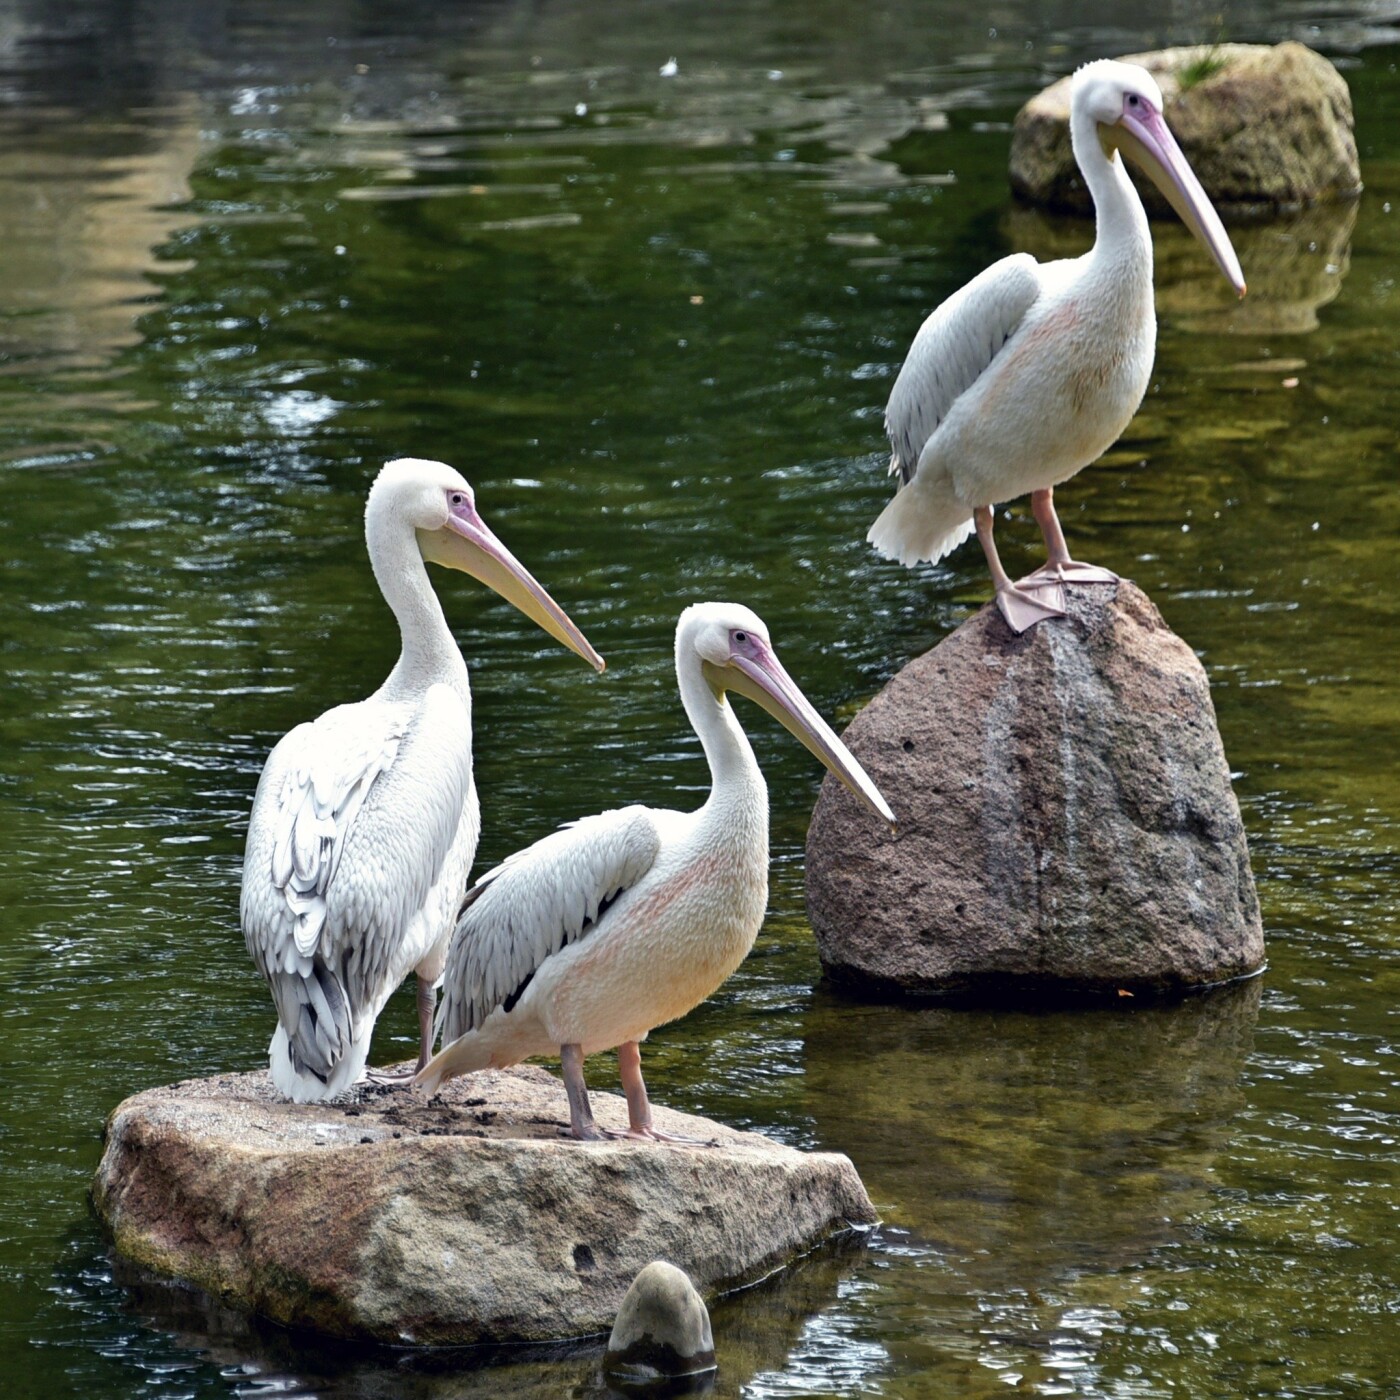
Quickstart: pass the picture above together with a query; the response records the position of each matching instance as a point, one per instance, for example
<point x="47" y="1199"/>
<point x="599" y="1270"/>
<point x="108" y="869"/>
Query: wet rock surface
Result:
<point x="662" y="1327"/>
<point x="465" y="1220"/>
<point x="1272" y="128"/>
<point x="1066" y="821"/>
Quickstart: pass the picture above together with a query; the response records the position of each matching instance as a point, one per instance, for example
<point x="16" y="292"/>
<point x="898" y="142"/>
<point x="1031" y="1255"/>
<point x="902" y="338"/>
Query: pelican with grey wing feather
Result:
<point x="365" y="820"/>
<point x="1031" y="370"/>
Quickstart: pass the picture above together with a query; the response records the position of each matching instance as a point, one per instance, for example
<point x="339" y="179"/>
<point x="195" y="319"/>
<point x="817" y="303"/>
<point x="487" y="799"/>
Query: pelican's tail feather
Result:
<point x="303" y="1085"/>
<point x="470" y="1052"/>
<point x="921" y="523"/>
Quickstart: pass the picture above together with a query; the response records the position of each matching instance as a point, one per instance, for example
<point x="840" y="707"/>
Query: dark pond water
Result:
<point x="252" y="250"/>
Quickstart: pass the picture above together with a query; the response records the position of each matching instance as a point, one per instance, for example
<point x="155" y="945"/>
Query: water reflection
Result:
<point x="761" y="1333"/>
<point x="82" y="212"/>
<point x="1036" y="1143"/>
<point x="1293" y="266"/>
<point x="667" y="380"/>
<point x="1034" y="1162"/>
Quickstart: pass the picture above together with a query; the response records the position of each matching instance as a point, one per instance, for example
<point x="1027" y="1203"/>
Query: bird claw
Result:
<point x="671" y="1139"/>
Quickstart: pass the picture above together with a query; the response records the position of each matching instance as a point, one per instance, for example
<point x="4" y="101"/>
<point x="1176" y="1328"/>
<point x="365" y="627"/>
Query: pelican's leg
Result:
<point x="1020" y="607"/>
<point x="427" y="999"/>
<point x="629" y="1068"/>
<point x="581" y="1122"/>
<point x="1058" y="567"/>
<point x="427" y="1004"/>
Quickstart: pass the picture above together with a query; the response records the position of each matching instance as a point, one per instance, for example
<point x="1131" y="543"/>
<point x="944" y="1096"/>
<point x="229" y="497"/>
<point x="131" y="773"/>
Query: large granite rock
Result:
<point x="1066" y="822"/>
<point x="466" y="1220"/>
<point x="1272" y="127"/>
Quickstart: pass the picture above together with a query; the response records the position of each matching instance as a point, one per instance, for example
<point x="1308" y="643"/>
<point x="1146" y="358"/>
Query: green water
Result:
<point x="252" y="251"/>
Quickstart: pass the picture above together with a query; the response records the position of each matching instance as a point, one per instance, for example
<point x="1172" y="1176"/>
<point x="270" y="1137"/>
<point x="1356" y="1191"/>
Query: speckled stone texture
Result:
<point x="467" y="1219"/>
<point x="1273" y="128"/>
<point x="1066" y="821"/>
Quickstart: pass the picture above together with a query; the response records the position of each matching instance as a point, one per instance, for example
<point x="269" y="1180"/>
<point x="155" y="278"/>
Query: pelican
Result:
<point x="626" y="920"/>
<point x="365" y="820"/>
<point x="1030" y="371"/>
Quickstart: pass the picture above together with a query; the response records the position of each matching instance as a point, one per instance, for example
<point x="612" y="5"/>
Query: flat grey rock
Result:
<point x="468" y="1219"/>
<point x="1066" y="821"/>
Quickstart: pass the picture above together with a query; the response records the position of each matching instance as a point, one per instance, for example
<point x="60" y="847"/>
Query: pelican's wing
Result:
<point x="352" y="823"/>
<point x="533" y="904"/>
<point x="952" y="351"/>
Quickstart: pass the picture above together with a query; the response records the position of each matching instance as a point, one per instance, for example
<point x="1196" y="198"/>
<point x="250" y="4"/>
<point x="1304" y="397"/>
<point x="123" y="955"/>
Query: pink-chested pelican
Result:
<point x="365" y="820"/>
<point x="624" y="921"/>
<point x="1032" y="370"/>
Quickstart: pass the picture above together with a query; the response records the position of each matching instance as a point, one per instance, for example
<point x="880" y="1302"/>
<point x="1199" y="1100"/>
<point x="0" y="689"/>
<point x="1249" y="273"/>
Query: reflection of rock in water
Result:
<point x="1293" y="267"/>
<point x="755" y="1330"/>
<point x="83" y="205"/>
<point x="1025" y="1145"/>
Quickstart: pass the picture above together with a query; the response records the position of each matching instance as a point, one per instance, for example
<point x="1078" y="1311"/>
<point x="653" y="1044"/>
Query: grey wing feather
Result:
<point x="952" y="350"/>
<point x="533" y="904"/>
<point x="351" y="825"/>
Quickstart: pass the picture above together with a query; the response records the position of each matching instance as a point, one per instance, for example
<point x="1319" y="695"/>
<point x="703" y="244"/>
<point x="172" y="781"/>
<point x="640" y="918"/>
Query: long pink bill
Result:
<point x="761" y="677"/>
<point x="1142" y="135"/>
<point x="468" y="543"/>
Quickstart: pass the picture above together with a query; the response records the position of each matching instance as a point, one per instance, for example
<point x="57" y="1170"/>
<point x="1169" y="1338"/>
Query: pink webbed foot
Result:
<point x="1067" y="571"/>
<point x="1023" y="606"/>
<point x="650" y="1134"/>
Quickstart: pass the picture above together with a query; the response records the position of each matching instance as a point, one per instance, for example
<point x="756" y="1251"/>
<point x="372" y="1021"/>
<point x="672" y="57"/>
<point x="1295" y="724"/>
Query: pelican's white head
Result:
<point x="1125" y="105"/>
<point x="735" y="653"/>
<point x="436" y="503"/>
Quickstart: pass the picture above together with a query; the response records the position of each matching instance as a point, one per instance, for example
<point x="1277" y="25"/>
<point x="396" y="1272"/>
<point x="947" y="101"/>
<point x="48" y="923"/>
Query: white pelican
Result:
<point x="1031" y="371"/>
<point x="365" y="820"/>
<point x="624" y="921"/>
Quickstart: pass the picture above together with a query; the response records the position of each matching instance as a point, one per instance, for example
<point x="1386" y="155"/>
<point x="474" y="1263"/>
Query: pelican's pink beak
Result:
<point x="1142" y="134"/>
<point x="754" y="671"/>
<point x="467" y="543"/>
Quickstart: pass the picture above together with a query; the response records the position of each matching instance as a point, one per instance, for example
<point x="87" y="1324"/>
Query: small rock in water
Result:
<point x="662" y="1327"/>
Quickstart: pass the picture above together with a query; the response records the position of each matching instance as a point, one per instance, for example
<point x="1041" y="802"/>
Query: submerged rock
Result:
<point x="1066" y="821"/>
<point x="662" y="1327"/>
<point x="1261" y="126"/>
<point x="470" y="1219"/>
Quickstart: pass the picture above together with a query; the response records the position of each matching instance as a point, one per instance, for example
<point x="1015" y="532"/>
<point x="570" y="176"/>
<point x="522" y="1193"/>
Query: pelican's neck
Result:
<point x="1122" y="235"/>
<point x="429" y="652"/>
<point x="735" y="778"/>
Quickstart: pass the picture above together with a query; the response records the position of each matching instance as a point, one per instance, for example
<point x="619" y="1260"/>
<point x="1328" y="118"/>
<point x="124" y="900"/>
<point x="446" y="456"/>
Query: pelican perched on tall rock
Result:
<point x="624" y="921"/>
<point x="365" y="820"/>
<point x="1032" y="370"/>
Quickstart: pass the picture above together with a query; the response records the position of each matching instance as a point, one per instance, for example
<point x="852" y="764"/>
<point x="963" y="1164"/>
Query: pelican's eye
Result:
<point x="457" y="498"/>
<point x="1134" y="100"/>
<point x="741" y="637"/>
